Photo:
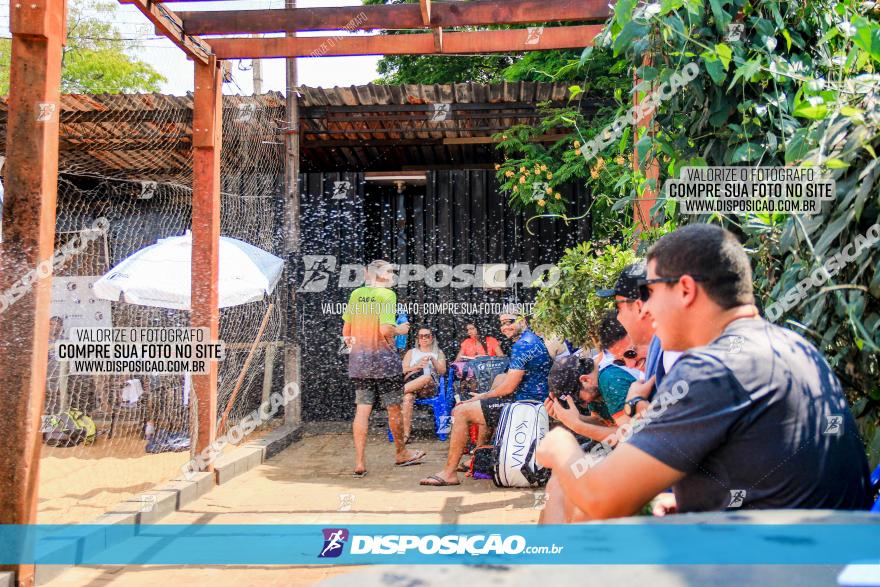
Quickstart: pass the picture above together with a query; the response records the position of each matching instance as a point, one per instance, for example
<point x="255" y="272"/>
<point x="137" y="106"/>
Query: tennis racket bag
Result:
<point x="521" y="427"/>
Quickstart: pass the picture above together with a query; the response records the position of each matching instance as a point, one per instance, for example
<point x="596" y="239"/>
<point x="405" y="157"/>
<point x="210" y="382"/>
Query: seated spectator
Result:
<point x="574" y="391"/>
<point x="616" y="367"/>
<point x="740" y="421"/>
<point x="640" y="326"/>
<point x="476" y="345"/>
<point x="422" y="367"/>
<point x="526" y="379"/>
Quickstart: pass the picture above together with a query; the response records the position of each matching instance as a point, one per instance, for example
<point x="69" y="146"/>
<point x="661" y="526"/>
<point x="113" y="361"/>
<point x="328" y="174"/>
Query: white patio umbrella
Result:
<point x="159" y="275"/>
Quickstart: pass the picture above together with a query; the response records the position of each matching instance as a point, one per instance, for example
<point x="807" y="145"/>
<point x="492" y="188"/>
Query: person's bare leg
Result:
<point x="406" y="409"/>
<point x="359" y="431"/>
<point x="482" y="434"/>
<point x="462" y="416"/>
<point x="554" y="511"/>
<point x="395" y="422"/>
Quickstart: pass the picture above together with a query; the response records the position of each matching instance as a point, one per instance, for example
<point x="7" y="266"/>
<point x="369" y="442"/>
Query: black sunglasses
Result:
<point x="627" y="354"/>
<point x="645" y="293"/>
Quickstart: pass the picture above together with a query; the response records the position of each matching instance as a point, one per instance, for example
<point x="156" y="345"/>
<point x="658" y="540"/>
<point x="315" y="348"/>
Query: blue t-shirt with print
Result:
<point x="530" y="355"/>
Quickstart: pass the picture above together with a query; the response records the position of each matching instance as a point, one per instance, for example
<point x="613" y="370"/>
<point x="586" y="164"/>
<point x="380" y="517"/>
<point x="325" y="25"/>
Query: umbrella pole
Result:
<point x="244" y="369"/>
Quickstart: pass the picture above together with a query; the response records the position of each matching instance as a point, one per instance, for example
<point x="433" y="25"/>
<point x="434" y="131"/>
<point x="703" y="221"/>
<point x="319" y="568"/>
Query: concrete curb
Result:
<point x="150" y="506"/>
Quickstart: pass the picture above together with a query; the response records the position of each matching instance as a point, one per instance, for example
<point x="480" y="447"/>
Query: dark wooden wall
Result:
<point x="458" y="217"/>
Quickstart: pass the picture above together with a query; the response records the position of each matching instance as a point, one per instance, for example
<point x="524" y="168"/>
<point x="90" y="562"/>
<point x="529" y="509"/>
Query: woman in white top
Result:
<point x="422" y="366"/>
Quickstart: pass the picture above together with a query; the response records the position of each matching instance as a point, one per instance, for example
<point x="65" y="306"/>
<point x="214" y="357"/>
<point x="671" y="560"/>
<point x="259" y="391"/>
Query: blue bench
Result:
<point x="441" y="404"/>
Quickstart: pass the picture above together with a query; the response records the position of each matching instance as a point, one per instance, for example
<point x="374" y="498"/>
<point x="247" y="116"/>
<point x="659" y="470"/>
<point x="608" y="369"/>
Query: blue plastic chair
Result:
<point x="441" y="404"/>
<point x="875" y="487"/>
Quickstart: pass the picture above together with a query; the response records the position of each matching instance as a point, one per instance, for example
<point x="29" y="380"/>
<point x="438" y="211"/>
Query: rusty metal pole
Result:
<point x="207" y="140"/>
<point x="293" y="411"/>
<point x="31" y="182"/>
<point x="648" y="197"/>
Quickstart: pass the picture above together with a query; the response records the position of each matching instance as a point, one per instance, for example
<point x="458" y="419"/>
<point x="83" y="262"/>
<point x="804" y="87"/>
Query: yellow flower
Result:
<point x="542" y="203"/>
<point x="508" y="173"/>
<point x="497" y="166"/>
<point x="549" y="190"/>
<point x="503" y="137"/>
<point x="549" y="175"/>
<point x="522" y="169"/>
<point x="594" y="173"/>
<point x="522" y="178"/>
<point x="558" y="196"/>
<point x="577" y="144"/>
<point x="619" y="160"/>
<point x="515" y="188"/>
<point x="600" y="163"/>
<point x="543" y="167"/>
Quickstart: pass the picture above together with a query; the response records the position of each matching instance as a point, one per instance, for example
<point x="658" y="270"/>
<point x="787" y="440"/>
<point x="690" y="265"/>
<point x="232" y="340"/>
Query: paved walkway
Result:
<point x="311" y="483"/>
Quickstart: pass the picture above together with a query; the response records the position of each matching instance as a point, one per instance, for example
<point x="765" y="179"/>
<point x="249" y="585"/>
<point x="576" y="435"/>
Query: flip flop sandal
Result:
<point x="440" y="482"/>
<point x="359" y="474"/>
<point x="413" y="461"/>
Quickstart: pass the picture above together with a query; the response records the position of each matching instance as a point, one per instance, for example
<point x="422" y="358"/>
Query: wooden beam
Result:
<point x="547" y="138"/>
<point x="207" y="140"/>
<point x="648" y="197"/>
<point x="169" y="24"/>
<point x="399" y="16"/>
<point x="512" y="40"/>
<point x="30" y="175"/>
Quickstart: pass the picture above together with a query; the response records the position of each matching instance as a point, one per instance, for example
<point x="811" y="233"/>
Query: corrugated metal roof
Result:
<point x="370" y="127"/>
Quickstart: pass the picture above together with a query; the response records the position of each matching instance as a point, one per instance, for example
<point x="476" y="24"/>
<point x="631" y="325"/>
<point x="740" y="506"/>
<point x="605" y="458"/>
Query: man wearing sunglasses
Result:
<point x="748" y="427"/>
<point x="525" y="379"/>
<point x="630" y="304"/>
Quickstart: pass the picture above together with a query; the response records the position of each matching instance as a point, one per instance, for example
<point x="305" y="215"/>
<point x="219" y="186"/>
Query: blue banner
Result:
<point x="661" y="544"/>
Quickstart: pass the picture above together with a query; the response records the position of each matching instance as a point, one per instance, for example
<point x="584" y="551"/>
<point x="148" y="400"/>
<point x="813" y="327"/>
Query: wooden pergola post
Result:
<point x="207" y="140"/>
<point x="31" y="182"/>
<point x="648" y="197"/>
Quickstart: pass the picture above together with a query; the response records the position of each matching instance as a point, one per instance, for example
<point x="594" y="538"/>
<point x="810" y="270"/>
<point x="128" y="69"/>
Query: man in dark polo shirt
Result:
<point x="750" y="417"/>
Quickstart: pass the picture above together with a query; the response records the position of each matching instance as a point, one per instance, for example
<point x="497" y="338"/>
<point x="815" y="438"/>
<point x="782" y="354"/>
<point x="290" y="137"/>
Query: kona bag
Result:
<point x="521" y="427"/>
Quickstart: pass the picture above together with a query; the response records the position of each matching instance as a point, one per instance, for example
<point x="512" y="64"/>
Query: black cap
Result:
<point x="627" y="284"/>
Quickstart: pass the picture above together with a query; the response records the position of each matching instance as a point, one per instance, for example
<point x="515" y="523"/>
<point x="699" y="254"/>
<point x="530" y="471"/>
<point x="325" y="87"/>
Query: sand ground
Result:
<point x="79" y="483"/>
<point x="311" y="483"/>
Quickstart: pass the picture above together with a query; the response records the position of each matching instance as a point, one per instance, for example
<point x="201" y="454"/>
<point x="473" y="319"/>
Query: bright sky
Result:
<point x="168" y="60"/>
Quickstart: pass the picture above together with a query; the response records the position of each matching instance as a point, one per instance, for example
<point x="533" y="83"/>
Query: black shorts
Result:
<point x="492" y="408"/>
<point x="389" y="390"/>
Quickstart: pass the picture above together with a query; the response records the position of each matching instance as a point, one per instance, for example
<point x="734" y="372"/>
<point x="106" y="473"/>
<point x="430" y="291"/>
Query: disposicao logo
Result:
<point x="334" y="541"/>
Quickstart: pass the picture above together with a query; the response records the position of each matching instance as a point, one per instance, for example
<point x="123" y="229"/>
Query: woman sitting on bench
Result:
<point x="422" y="367"/>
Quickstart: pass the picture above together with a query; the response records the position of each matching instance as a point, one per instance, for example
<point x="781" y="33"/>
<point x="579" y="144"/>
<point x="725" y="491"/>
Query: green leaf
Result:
<point x="746" y="71"/>
<point x="722" y="19"/>
<point x="835" y="163"/>
<point x="798" y="146"/>
<point x="724" y="53"/>
<point x="574" y="91"/>
<point x="850" y="111"/>
<point x="715" y="69"/>
<point x="631" y="30"/>
<point x="787" y="36"/>
<point x="807" y="110"/>
<point x="747" y="152"/>
<point x="867" y="36"/>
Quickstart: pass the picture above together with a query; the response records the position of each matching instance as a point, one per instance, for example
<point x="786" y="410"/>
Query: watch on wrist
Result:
<point x="629" y="407"/>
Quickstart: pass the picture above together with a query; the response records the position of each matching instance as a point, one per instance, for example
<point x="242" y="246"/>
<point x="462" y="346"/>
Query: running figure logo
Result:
<point x="317" y="272"/>
<point x="737" y="498"/>
<point x="334" y="540"/>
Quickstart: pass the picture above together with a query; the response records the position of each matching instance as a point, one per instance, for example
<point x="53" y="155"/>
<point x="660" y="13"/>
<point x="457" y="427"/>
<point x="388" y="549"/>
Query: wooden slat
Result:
<point x="31" y="179"/>
<point x="384" y="17"/>
<point x="170" y="25"/>
<point x="494" y="41"/>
